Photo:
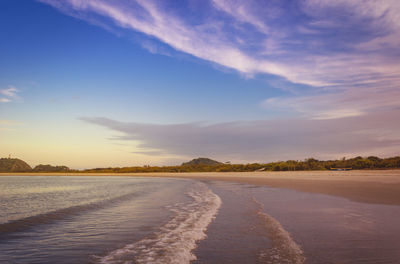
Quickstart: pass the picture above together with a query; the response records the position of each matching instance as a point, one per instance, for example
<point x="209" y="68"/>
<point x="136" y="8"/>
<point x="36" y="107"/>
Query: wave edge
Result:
<point x="175" y="241"/>
<point x="284" y="249"/>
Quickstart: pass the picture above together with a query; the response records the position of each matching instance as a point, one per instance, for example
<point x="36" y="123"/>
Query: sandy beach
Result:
<point x="369" y="186"/>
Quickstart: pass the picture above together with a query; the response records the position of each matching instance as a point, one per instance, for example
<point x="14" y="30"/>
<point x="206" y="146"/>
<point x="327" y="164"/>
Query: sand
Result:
<point x="368" y="186"/>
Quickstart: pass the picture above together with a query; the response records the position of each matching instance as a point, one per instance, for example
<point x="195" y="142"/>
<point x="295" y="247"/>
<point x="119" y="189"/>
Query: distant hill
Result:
<point x="201" y="161"/>
<point x="50" y="168"/>
<point x="14" y="165"/>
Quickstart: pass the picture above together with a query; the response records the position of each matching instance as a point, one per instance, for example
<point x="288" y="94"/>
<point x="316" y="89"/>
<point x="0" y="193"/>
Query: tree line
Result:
<point x="357" y="163"/>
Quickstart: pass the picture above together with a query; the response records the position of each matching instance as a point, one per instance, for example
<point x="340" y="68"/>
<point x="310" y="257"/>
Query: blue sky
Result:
<point x="117" y="83"/>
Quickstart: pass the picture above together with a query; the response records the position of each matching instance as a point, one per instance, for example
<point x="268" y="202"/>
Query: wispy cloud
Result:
<point x="11" y="91"/>
<point x="4" y="100"/>
<point x="333" y="46"/>
<point x="243" y="12"/>
<point x="211" y="43"/>
<point x="267" y="140"/>
<point x="342" y="103"/>
<point x="9" y="94"/>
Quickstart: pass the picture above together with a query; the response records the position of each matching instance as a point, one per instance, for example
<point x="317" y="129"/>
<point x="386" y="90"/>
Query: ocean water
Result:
<point x="102" y="219"/>
<point x="48" y="219"/>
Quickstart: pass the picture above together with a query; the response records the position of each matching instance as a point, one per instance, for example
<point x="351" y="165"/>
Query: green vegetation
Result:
<point x="358" y="163"/>
<point x="49" y="168"/>
<point x="208" y="165"/>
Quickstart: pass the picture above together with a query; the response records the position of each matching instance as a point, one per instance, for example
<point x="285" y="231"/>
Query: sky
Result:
<point x="99" y="83"/>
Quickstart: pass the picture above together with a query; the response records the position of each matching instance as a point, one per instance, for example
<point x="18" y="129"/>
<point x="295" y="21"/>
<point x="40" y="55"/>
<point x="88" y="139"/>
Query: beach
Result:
<point x="298" y="217"/>
<point x="369" y="186"/>
<point x="381" y="187"/>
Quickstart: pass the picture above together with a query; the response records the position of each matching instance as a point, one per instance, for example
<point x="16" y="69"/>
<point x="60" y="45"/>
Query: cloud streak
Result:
<point x="266" y="140"/>
<point x="345" y="103"/>
<point x="333" y="46"/>
<point x="9" y="94"/>
<point x="201" y="41"/>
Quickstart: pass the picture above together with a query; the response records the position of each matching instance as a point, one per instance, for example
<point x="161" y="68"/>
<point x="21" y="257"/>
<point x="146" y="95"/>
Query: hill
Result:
<point x="202" y="162"/>
<point x="14" y="165"/>
<point x="50" y="168"/>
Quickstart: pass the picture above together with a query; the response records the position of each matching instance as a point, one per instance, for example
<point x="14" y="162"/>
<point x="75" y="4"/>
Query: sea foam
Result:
<point x="284" y="249"/>
<point x="173" y="242"/>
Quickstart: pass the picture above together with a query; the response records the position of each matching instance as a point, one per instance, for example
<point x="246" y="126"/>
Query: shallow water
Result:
<point x="157" y="220"/>
<point x="101" y="219"/>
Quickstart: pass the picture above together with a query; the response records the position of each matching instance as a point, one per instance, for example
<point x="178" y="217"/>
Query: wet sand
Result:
<point x="380" y="187"/>
<point x="368" y="186"/>
<point x="299" y="227"/>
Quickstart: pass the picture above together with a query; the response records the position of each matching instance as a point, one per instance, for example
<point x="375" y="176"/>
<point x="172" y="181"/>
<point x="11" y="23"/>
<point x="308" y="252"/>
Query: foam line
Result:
<point x="284" y="249"/>
<point x="175" y="241"/>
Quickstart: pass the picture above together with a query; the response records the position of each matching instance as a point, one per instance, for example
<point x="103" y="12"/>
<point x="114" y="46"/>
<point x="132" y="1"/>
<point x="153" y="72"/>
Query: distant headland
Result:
<point x="208" y="165"/>
<point x="18" y="165"/>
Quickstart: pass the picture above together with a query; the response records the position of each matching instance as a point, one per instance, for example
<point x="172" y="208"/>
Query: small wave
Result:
<point x="49" y="217"/>
<point x="284" y="249"/>
<point x="174" y="242"/>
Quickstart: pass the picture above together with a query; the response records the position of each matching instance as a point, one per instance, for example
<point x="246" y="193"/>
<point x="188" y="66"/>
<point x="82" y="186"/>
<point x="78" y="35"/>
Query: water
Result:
<point x="102" y="219"/>
<point x="48" y="219"/>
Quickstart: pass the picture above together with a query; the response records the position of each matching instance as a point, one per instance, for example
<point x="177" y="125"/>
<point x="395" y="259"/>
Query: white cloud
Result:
<point x="383" y="16"/>
<point x="172" y="30"/>
<point x="344" y="47"/>
<point x="241" y="11"/>
<point x="10" y="94"/>
<point x="342" y="103"/>
<point x="4" y="100"/>
<point x="11" y="91"/>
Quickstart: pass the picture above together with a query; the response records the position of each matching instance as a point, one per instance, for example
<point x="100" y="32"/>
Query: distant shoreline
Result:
<point x="164" y="174"/>
<point x="368" y="186"/>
